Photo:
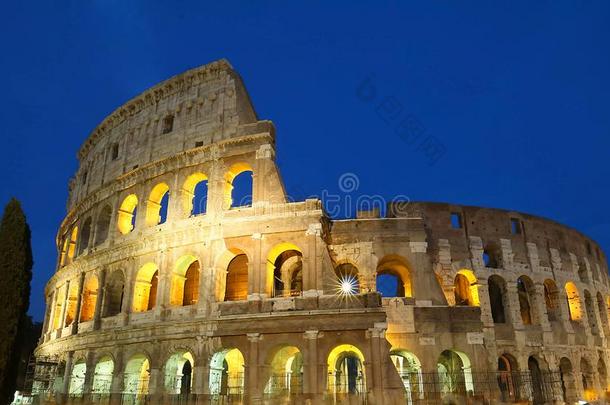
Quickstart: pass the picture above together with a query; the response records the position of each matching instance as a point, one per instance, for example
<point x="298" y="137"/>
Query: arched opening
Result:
<point x="346" y="374"/>
<point x="408" y="367"/>
<point x="466" y="289"/>
<point x="348" y="281"/>
<point x="77" y="378"/>
<point x="238" y="186"/>
<point x="393" y="277"/>
<point x="591" y="317"/>
<point x="179" y="373"/>
<point x="236" y="287"/>
<point x="89" y="298"/>
<point x="113" y="297"/>
<point x="574" y="304"/>
<point x="568" y="387"/>
<point x="60" y="298"/>
<point x="602" y="374"/>
<point x="551" y="300"/>
<point x="102" y="226"/>
<point x="586" y="372"/>
<point x="102" y="378"/>
<point x="71" y="302"/>
<point x="286" y="368"/>
<point x="537" y="381"/>
<point x="185" y="282"/>
<point x="285" y="270"/>
<point x="454" y="373"/>
<point x="603" y="313"/>
<point x="136" y="378"/>
<point x="69" y="248"/>
<point x="508" y="378"/>
<point x="227" y="373"/>
<point x="525" y="292"/>
<point x="83" y="242"/>
<point x="145" y="289"/>
<point x="126" y="216"/>
<point x="156" y="208"/>
<point x="491" y="255"/>
<point x="497" y="289"/>
<point x="195" y="194"/>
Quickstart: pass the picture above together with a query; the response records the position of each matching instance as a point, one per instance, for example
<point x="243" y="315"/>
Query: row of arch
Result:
<point x="226" y="367"/>
<point x="236" y="188"/>
<point x="284" y="275"/>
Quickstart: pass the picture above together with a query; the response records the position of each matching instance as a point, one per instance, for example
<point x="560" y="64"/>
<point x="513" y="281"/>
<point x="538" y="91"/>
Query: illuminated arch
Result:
<point x="574" y="303"/>
<point x="347" y="273"/>
<point x="286" y="371"/>
<point x="185" y="282"/>
<point x="466" y="288"/>
<point x="69" y="248"/>
<point x="71" y="301"/>
<point x="60" y="298"/>
<point x="587" y="379"/>
<point x="89" y="298"/>
<point x="179" y="373"/>
<point x="396" y="266"/>
<point x="346" y="374"/>
<point x="145" y="289"/>
<point x="192" y="203"/>
<point x="227" y="372"/>
<point x="284" y="269"/>
<point x="126" y="218"/>
<point x="454" y="372"/>
<point x="234" y="171"/>
<point x="601" y="308"/>
<point x="156" y="207"/>
<point x="235" y="286"/>
<point x="77" y="378"/>
<point x="102" y="377"/>
<point x="137" y="376"/>
<point x="409" y="370"/>
<point x="566" y="373"/>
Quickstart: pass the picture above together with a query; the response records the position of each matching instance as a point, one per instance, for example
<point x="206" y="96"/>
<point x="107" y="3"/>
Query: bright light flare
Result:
<point x="347" y="286"/>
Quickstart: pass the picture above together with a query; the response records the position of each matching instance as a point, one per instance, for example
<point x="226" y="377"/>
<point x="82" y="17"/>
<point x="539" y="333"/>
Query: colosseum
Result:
<point x="171" y="289"/>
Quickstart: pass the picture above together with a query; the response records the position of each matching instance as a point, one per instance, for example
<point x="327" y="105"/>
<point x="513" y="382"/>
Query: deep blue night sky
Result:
<point x="515" y="94"/>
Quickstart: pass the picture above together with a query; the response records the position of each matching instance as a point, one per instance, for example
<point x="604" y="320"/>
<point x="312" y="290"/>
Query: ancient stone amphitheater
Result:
<point x="170" y="289"/>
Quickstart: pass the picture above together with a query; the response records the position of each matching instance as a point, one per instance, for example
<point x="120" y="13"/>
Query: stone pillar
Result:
<point x="89" y="373"/>
<point x="377" y="337"/>
<point x="512" y="302"/>
<point x="48" y="319"/>
<point x="257" y="270"/>
<point x="253" y="389"/>
<point x="310" y="364"/>
<point x="118" y="378"/>
<point x="65" y="306"/>
<point x="79" y="301"/>
<point x="128" y="295"/>
<point x="312" y="260"/>
<point x="101" y="296"/>
<point x="67" y="373"/>
<point x="264" y="161"/>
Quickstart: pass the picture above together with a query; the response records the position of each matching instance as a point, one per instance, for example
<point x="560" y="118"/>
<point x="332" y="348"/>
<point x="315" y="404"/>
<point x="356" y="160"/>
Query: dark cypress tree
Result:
<point x="15" y="275"/>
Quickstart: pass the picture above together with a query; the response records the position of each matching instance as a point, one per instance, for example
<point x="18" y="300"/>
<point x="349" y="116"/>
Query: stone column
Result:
<point x="89" y="373"/>
<point x="79" y="301"/>
<point x="67" y="373"/>
<point x="118" y="378"/>
<point x="310" y="364"/>
<point x="264" y="161"/>
<point x="48" y="320"/>
<point x="312" y="275"/>
<point x="512" y="302"/>
<point x="101" y="296"/>
<point x="253" y="389"/>
<point x="128" y="295"/>
<point x="257" y="270"/>
<point x="377" y="336"/>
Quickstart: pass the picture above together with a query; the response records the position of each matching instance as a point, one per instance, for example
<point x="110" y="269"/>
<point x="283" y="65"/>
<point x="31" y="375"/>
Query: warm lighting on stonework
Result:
<point x="127" y="213"/>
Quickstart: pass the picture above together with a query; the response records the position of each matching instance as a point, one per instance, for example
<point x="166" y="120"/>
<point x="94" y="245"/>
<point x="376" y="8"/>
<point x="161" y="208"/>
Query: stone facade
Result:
<point x="161" y="294"/>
